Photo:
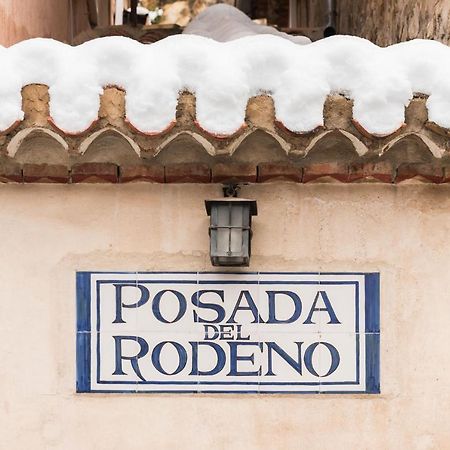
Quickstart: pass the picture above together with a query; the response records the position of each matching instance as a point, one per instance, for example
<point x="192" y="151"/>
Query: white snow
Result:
<point x="140" y="10"/>
<point x="223" y="76"/>
<point x="226" y="23"/>
<point x="155" y="14"/>
<point x="152" y="15"/>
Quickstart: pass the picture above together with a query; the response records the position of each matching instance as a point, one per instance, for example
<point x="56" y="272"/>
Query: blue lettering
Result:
<point x="214" y="330"/>
<point x="328" y="308"/>
<point x="251" y="306"/>
<point x="295" y="364"/>
<point x="182" y="357"/>
<point x="220" y="354"/>
<point x="145" y="295"/>
<point x="220" y="311"/>
<point x="335" y="358"/>
<point x="133" y="359"/>
<point x="235" y="358"/>
<point x="272" y="306"/>
<point x="182" y="306"/>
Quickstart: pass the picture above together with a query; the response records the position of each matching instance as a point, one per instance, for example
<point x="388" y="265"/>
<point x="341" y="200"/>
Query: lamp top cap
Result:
<point x="232" y="200"/>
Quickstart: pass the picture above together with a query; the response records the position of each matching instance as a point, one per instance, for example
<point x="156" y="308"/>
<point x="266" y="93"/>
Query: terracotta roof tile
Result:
<point x="261" y="151"/>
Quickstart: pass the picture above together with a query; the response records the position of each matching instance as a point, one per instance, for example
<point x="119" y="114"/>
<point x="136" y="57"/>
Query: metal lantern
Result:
<point x="230" y="230"/>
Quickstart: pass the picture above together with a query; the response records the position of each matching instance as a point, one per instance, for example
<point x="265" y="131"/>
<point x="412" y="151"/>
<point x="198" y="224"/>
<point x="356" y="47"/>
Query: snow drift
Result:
<point x="226" y="23"/>
<point x="223" y="76"/>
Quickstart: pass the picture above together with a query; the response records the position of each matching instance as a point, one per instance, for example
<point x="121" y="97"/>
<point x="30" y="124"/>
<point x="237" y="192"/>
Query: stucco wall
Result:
<point x="49" y="232"/>
<point x="57" y="19"/>
<point x="23" y="20"/>
<point x="386" y="22"/>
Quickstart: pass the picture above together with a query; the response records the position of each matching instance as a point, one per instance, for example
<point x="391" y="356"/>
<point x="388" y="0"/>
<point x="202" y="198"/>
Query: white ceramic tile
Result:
<point x="341" y="301"/>
<point x="103" y="352"/>
<point x="341" y="362"/>
<point x="114" y="301"/>
<point x="241" y="303"/>
<point x="240" y="372"/>
<point x="195" y="312"/>
<point x="284" y="307"/>
<point x="169" y="308"/>
<point x="283" y="362"/>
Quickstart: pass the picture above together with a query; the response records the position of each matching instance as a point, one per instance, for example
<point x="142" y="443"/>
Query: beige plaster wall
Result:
<point x="49" y="232"/>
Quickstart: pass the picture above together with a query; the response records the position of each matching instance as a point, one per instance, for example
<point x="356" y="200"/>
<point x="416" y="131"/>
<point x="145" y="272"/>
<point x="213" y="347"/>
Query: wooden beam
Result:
<point x="133" y="17"/>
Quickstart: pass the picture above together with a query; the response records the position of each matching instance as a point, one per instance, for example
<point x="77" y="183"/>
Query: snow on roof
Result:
<point x="140" y="10"/>
<point x="224" y="76"/>
<point x="226" y="23"/>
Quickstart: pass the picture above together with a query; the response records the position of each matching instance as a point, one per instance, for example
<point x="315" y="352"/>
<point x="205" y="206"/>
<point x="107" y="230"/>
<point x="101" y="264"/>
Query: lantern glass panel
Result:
<point x="222" y="234"/>
<point x="236" y="230"/>
<point x="230" y="233"/>
<point x="236" y="215"/>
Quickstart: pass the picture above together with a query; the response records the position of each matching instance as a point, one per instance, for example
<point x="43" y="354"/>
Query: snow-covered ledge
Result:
<point x="255" y="109"/>
<point x="381" y="82"/>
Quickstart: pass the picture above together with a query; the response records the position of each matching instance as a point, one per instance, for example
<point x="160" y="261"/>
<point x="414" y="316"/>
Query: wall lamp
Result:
<point x="230" y="229"/>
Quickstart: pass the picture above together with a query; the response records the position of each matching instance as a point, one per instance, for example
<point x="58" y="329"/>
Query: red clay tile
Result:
<point x="10" y="128"/>
<point x="10" y="173"/>
<point x="334" y="170"/>
<point x="279" y="171"/>
<point x="366" y="134"/>
<point x="283" y="127"/>
<point x="94" y="173"/>
<point x="152" y="174"/>
<point x="45" y="173"/>
<point x="151" y="133"/>
<point x="426" y="172"/>
<point x="381" y="171"/>
<point x="233" y="172"/>
<point x="446" y="178"/>
<point x="71" y="134"/>
<point x="221" y="136"/>
<point x="187" y="173"/>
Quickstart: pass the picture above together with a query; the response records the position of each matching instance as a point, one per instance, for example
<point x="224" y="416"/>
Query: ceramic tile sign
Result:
<point x="228" y="332"/>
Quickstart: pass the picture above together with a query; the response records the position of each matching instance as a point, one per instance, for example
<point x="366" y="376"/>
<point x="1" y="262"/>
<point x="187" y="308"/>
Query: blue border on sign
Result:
<point x="83" y="340"/>
<point x="231" y="383"/>
<point x="372" y="306"/>
<point x="372" y="335"/>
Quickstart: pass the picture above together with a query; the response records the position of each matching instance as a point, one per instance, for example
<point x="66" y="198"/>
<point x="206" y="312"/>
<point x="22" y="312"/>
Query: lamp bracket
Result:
<point x="231" y="190"/>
